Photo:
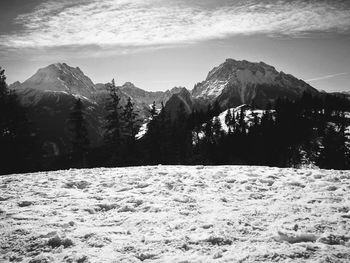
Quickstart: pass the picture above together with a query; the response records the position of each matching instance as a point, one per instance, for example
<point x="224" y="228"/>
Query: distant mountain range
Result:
<point x="50" y="94"/>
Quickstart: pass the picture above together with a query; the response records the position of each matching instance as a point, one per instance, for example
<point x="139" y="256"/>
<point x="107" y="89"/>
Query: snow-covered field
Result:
<point x="176" y="214"/>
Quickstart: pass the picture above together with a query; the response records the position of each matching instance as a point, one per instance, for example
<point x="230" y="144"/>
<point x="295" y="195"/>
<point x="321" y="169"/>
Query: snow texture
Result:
<point x="176" y="214"/>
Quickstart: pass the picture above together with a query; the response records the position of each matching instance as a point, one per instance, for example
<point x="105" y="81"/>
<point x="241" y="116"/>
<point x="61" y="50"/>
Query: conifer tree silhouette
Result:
<point x="113" y="134"/>
<point x="80" y="139"/>
<point x="129" y="130"/>
<point x="15" y="138"/>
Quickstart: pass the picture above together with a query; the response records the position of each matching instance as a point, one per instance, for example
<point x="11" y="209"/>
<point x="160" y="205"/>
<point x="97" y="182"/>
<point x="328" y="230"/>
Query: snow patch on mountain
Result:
<point x="249" y="115"/>
<point x="143" y="130"/>
<point x="215" y="88"/>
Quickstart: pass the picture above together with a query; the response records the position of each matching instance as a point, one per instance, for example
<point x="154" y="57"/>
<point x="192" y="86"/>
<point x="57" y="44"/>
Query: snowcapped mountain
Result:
<point x="49" y="96"/>
<point x="60" y="77"/>
<point x="61" y="81"/>
<point x="240" y="82"/>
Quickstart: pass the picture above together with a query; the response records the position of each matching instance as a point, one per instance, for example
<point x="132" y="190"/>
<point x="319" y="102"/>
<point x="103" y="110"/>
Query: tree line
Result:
<point x="16" y="139"/>
<point x="312" y="130"/>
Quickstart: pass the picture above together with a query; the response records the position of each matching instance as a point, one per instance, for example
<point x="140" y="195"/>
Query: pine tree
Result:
<point x="162" y="115"/>
<point x="196" y="118"/>
<point x="333" y="154"/>
<point x="217" y="129"/>
<point x="233" y="123"/>
<point x="209" y="112"/>
<point x="182" y="136"/>
<point x="216" y="108"/>
<point x="256" y="120"/>
<point x="228" y="120"/>
<point x="208" y="131"/>
<point x="129" y="118"/>
<point x="113" y="135"/>
<point x="15" y="139"/>
<point x="129" y="130"/>
<point x="153" y="110"/>
<point x="241" y="122"/>
<point x="165" y="129"/>
<point x="80" y="139"/>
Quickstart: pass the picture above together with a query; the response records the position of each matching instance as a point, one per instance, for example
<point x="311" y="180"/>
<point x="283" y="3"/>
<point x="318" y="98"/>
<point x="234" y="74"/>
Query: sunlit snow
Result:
<point x="176" y="214"/>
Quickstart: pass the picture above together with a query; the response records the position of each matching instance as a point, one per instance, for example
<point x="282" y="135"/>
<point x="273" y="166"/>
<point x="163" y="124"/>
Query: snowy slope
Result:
<point x="248" y="119"/>
<point x="176" y="214"/>
<point x="248" y="116"/>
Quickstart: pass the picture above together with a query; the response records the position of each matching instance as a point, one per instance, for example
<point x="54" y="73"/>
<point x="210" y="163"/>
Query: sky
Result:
<point x="159" y="44"/>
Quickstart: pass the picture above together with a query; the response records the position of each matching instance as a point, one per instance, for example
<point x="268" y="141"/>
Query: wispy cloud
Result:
<point x="327" y="77"/>
<point x="126" y="23"/>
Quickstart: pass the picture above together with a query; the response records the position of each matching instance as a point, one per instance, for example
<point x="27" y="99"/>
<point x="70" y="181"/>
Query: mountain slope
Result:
<point x="148" y="97"/>
<point x="143" y="99"/>
<point x="178" y="100"/>
<point x="241" y="82"/>
<point x="49" y="96"/>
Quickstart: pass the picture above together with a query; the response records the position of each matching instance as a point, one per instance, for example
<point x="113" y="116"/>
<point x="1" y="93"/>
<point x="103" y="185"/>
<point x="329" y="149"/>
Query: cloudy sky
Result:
<point x="159" y="44"/>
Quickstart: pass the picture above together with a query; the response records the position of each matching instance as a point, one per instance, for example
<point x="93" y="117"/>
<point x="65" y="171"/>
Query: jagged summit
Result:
<point x="231" y="65"/>
<point x="15" y="85"/>
<point x="129" y="84"/>
<point x="60" y="77"/>
<point x="176" y="90"/>
<point x="239" y="82"/>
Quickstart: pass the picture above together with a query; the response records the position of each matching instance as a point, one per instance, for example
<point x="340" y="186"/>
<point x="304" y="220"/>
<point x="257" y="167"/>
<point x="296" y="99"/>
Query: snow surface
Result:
<point x="176" y="214"/>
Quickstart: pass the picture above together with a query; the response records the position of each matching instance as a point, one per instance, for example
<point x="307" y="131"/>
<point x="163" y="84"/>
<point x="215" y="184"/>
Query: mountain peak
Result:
<point x="181" y="97"/>
<point x="61" y="77"/>
<point x="175" y="90"/>
<point x="129" y="85"/>
<point x="239" y="81"/>
<point x="244" y="64"/>
<point x="58" y="66"/>
<point x="15" y="85"/>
